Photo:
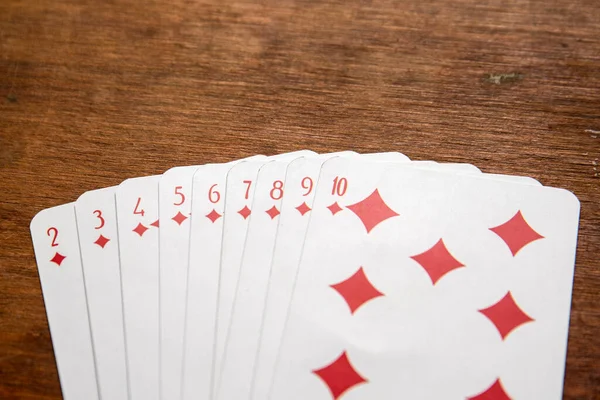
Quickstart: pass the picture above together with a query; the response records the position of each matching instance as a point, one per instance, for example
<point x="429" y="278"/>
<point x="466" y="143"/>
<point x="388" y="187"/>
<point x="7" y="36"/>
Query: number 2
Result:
<point x="137" y="205"/>
<point x="98" y="214"/>
<point x="181" y="195"/>
<point x="55" y="233"/>
<point x="249" y="183"/>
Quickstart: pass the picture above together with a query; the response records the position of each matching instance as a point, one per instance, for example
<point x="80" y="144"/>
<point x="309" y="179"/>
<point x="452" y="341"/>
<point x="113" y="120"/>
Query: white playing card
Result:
<point x="241" y="180"/>
<point x="56" y="244"/>
<point x="206" y="232"/>
<point x="425" y="285"/>
<point x="138" y="225"/>
<point x="301" y="179"/>
<point x="99" y="245"/>
<point x="244" y="329"/>
<point x="175" y="207"/>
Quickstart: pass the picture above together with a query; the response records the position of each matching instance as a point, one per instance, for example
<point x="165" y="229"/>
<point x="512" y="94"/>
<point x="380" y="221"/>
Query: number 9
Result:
<point x="307" y="183"/>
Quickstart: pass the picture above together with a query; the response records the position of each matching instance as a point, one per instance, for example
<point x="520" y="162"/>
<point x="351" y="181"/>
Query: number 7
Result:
<point x="249" y="183"/>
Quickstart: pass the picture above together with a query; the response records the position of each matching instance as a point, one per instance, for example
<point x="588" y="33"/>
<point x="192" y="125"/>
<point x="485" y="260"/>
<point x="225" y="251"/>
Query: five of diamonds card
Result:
<point x="311" y="276"/>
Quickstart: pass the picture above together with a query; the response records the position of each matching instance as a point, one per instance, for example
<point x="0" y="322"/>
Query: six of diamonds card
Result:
<point x="311" y="276"/>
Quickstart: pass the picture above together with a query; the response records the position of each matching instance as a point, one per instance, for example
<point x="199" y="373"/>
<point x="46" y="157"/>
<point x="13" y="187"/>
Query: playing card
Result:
<point x="138" y="225"/>
<point x="56" y="245"/>
<point x="424" y="285"/>
<point x="98" y="241"/>
<point x="175" y="205"/>
<point x="244" y="329"/>
<point x="241" y="180"/>
<point x="301" y="179"/>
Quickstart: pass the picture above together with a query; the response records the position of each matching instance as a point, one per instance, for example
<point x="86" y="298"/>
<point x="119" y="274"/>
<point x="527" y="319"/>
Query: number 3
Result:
<point x="98" y="214"/>
<point x="55" y="231"/>
<point x="181" y="195"/>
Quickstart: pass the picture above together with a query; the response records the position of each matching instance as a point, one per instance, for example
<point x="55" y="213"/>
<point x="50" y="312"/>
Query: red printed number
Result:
<point x="53" y="232"/>
<point x="213" y="195"/>
<point x="248" y="183"/>
<point x="340" y="185"/>
<point x="138" y="211"/>
<point x="180" y="194"/>
<point x="277" y="191"/>
<point x="307" y="183"/>
<point x="98" y="214"/>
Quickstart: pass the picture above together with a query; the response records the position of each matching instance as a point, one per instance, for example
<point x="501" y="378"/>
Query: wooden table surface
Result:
<point x="93" y="92"/>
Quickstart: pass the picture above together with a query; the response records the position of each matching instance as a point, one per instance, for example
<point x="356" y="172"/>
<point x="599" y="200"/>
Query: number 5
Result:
<point x="180" y="194"/>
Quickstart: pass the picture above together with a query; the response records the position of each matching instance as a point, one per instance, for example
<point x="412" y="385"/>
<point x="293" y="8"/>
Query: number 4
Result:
<point x="136" y="210"/>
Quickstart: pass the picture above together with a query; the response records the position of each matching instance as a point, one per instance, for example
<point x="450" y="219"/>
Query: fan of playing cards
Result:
<point x="311" y="276"/>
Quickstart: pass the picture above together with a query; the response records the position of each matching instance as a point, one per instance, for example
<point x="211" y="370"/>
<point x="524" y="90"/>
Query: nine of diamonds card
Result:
<point x="311" y="276"/>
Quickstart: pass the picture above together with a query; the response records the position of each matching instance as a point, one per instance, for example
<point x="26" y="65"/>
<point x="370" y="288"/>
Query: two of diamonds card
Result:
<point x="307" y="276"/>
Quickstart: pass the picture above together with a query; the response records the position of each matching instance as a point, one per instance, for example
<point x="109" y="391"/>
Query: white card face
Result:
<point x="241" y="181"/>
<point x="426" y="285"/>
<point x="99" y="245"/>
<point x="138" y="225"/>
<point x="206" y="232"/>
<point x="301" y="179"/>
<point x="56" y="244"/>
<point x="175" y="204"/>
<point x="244" y="330"/>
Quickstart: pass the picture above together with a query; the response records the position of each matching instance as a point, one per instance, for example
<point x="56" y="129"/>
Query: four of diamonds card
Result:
<point x="311" y="276"/>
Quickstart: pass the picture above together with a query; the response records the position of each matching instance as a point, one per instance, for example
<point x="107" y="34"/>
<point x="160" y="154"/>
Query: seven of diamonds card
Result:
<point x="337" y="277"/>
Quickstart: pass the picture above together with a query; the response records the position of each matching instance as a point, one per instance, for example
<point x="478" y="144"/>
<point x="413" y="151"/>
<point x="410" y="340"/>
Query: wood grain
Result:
<point x="93" y="92"/>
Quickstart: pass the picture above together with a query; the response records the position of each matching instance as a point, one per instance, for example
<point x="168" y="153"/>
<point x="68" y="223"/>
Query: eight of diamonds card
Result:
<point x="425" y="285"/>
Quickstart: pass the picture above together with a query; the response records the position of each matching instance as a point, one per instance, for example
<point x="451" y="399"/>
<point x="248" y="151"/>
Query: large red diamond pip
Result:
<point x="339" y="376"/>
<point x="506" y="315"/>
<point x="372" y="211"/>
<point x="494" y="392"/>
<point x="437" y="261"/>
<point x="356" y="290"/>
<point x="516" y="233"/>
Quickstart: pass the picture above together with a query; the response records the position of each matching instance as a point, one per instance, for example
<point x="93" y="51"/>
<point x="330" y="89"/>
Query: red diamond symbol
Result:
<point x="372" y="211"/>
<point x="304" y="208"/>
<point x="156" y="223"/>
<point x="273" y="212"/>
<point x="339" y="376"/>
<point x="516" y="233"/>
<point x="179" y="218"/>
<point x="245" y="212"/>
<point x="213" y="215"/>
<point x="356" y="290"/>
<point x="57" y="259"/>
<point x="102" y="241"/>
<point x="506" y="315"/>
<point x="437" y="261"/>
<point x="494" y="392"/>
<point x="334" y="208"/>
<point x="140" y="229"/>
